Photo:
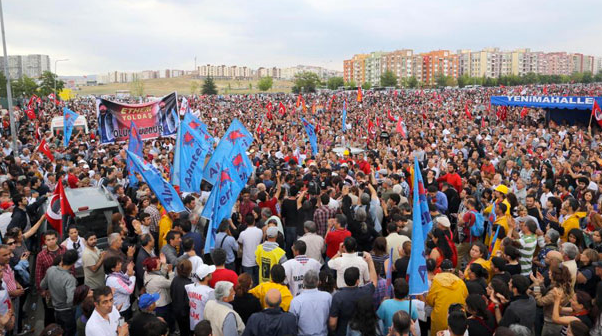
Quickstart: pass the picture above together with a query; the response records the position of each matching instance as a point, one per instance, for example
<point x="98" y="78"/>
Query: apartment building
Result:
<point x="438" y="62"/>
<point x="26" y="65"/>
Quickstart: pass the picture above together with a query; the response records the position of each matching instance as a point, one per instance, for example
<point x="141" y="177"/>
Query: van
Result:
<point x="56" y="125"/>
<point x="93" y="208"/>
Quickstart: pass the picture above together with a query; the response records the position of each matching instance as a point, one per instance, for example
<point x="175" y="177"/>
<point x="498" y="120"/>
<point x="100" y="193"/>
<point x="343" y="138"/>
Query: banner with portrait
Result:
<point x="153" y="119"/>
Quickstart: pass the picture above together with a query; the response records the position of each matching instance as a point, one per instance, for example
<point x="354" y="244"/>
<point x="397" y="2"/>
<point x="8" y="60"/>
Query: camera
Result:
<point x="360" y="254"/>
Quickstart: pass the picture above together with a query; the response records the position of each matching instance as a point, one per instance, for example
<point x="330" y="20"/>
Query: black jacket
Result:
<point x="271" y="322"/>
<point x="179" y="298"/>
<point x="19" y="217"/>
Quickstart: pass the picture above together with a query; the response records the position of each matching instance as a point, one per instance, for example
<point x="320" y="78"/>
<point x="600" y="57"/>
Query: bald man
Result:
<point x="272" y="321"/>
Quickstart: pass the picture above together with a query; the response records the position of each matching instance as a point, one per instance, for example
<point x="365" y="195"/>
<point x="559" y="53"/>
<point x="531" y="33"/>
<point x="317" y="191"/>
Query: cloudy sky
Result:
<point x="103" y="35"/>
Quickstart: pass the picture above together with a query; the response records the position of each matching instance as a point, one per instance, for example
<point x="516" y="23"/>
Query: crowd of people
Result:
<point x="319" y="243"/>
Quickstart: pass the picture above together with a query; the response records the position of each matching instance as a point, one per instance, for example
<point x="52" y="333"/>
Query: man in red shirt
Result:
<point x="264" y="202"/>
<point x="72" y="179"/>
<point x="221" y="272"/>
<point x="335" y="237"/>
<point x="452" y="177"/>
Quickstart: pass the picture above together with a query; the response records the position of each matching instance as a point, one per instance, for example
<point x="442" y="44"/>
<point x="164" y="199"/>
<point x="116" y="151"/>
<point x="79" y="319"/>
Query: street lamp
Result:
<point x="9" y="93"/>
<point x="55" y="78"/>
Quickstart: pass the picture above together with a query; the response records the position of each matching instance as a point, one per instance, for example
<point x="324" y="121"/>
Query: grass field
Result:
<point x="185" y="85"/>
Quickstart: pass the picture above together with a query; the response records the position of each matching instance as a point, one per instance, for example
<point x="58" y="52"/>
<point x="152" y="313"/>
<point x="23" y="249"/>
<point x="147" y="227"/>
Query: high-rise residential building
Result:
<point x="373" y="67"/>
<point x="26" y="65"/>
<point x="399" y="62"/>
<point x="558" y="63"/>
<point x="438" y="62"/>
<point x="355" y="69"/>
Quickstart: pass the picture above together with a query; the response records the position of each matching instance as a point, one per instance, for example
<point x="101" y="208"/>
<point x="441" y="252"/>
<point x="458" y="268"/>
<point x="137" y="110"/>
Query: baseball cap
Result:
<point x="447" y="265"/>
<point x="443" y="220"/>
<point x="146" y="300"/>
<point x="502" y="188"/>
<point x="272" y="232"/>
<point x="204" y="270"/>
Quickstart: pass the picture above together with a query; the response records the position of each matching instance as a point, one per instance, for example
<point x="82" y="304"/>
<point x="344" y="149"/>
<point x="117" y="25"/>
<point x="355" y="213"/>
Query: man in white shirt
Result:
<point x="347" y="257"/>
<point x="249" y="239"/>
<point x="199" y="293"/>
<point x="313" y="241"/>
<point x="190" y="254"/>
<point x="104" y="321"/>
<point x="75" y="242"/>
<point x="296" y="268"/>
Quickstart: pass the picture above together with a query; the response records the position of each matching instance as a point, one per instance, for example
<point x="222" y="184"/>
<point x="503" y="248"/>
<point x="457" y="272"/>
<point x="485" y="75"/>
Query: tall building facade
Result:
<point x="488" y="62"/>
<point x="26" y="65"/>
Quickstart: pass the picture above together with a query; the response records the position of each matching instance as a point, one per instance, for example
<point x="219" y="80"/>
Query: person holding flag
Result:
<point x="69" y="118"/>
<point x="135" y="146"/>
<point x="344" y="120"/>
<point x="311" y="134"/>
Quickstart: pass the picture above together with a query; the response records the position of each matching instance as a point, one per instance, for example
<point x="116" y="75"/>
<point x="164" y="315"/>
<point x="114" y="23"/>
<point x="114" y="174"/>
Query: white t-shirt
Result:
<point x="198" y="295"/>
<point x="68" y="243"/>
<point x="344" y="262"/>
<point x="250" y="238"/>
<point x="295" y="270"/>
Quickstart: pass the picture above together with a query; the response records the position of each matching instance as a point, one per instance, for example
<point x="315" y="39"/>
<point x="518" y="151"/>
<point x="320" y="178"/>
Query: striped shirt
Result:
<point x="529" y="243"/>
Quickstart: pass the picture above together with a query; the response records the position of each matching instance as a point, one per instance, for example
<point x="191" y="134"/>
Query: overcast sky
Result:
<point x="98" y="36"/>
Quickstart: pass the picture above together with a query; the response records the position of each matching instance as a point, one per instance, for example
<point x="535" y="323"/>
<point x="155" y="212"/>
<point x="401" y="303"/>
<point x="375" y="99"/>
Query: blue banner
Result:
<point x="69" y="118"/>
<point x="221" y="200"/>
<point x="553" y="102"/>
<point x="164" y="191"/>
<point x="134" y="146"/>
<point x="344" y="121"/>
<point x="421" y="224"/>
<point x="236" y="133"/>
<point x="242" y="163"/>
<point x="189" y="159"/>
<point x="311" y="134"/>
<point x="197" y="125"/>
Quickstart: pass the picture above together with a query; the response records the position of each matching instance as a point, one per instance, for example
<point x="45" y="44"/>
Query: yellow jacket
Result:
<point x="165" y="225"/>
<point x="485" y="263"/>
<point x="503" y="222"/>
<point x="446" y="290"/>
<point x="261" y="290"/>
<point x="572" y="222"/>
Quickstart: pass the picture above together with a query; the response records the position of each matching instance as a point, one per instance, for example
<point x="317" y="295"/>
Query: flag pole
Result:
<point x="591" y="116"/>
<point x="9" y="95"/>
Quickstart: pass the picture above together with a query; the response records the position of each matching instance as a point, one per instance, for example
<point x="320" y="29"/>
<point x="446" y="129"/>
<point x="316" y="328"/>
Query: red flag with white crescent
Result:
<point x="281" y="109"/>
<point x="43" y="147"/>
<point x="467" y="111"/>
<point x="597" y="112"/>
<point x="390" y="116"/>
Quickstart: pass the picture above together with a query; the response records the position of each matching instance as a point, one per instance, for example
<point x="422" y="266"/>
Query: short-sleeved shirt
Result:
<point x="250" y="238"/>
<point x="349" y="260"/>
<point x="229" y="244"/>
<point x="343" y="305"/>
<point x="388" y="308"/>
<point x="333" y="240"/>
<point x="92" y="279"/>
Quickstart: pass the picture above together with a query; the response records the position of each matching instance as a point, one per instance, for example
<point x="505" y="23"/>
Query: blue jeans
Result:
<point x="290" y="236"/>
<point x="253" y="272"/>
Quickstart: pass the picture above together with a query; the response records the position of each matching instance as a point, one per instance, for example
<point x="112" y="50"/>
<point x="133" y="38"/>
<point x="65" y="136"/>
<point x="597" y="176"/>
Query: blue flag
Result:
<point x="241" y="163"/>
<point x="311" y="134"/>
<point x="134" y="146"/>
<point x="418" y="281"/>
<point x="221" y="200"/>
<point x="344" y="121"/>
<point x="69" y="118"/>
<point x="236" y="133"/>
<point x="189" y="159"/>
<point x="194" y="123"/>
<point x="164" y="191"/>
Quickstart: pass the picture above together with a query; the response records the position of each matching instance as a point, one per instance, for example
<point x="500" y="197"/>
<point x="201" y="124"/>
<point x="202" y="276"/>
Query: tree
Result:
<point x="137" y="87"/>
<point x="388" y="78"/>
<point x="587" y="77"/>
<point x="366" y="86"/>
<point x="335" y="82"/>
<point x="441" y="79"/>
<point x="265" y="83"/>
<point x="194" y="87"/>
<point x="463" y="81"/>
<point x="24" y="86"/>
<point x="306" y="82"/>
<point x="47" y="83"/>
<point x="351" y="84"/>
<point x="597" y="77"/>
<point x="209" y="87"/>
<point x="412" y="82"/>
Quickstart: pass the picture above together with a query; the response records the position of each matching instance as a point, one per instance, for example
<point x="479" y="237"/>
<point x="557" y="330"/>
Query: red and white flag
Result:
<point x="524" y="112"/>
<point x="597" y="112"/>
<point x="43" y="148"/>
<point x="399" y="128"/>
<point x="58" y="208"/>
<point x="281" y="109"/>
<point x="269" y="107"/>
<point x="390" y="116"/>
<point x="371" y="128"/>
<point x="467" y="111"/>
<point x="30" y="113"/>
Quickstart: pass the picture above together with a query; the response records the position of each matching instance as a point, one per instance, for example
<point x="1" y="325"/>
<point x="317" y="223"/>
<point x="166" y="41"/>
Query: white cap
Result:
<point x="204" y="270"/>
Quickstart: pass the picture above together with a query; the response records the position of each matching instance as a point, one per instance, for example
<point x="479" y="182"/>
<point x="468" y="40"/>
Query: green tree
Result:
<point x="209" y="87"/>
<point x="441" y="79"/>
<point x="388" y="78"/>
<point x="463" y="81"/>
<point x="137" y="87"/>
<point x="530" y="78"/>
<point x="351" y="84"/>
<point x="306" y="82"/>
<point x="597" y="78"/>
<point x="194" y="87"/>
<point x="47" y="83"/>
<point x="412" y="82"/>
<point x="24" y="86"/>
<point x="335" y="82"/>
<point x="265" y="83"/>
<point x="366" y="86"/>
<point x="587" y="77"/>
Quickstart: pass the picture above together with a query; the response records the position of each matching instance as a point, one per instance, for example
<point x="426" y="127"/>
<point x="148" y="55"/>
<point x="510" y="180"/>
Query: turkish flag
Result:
<point x="467" y="111"/>
<point x="524" y="112"/>
<point x="30" y="113"/>
<point x="43" y="147"/>
<point x="371" y="128"/>
<point x="281" y="109"/>
<point x="58" y="208"/>
<point x="390" y="116"/>
<point x="597" y="112"/>
<point x="399" y="128"/>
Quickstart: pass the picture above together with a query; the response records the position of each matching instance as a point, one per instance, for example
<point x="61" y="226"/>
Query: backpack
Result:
<point x="478" y="228"/>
